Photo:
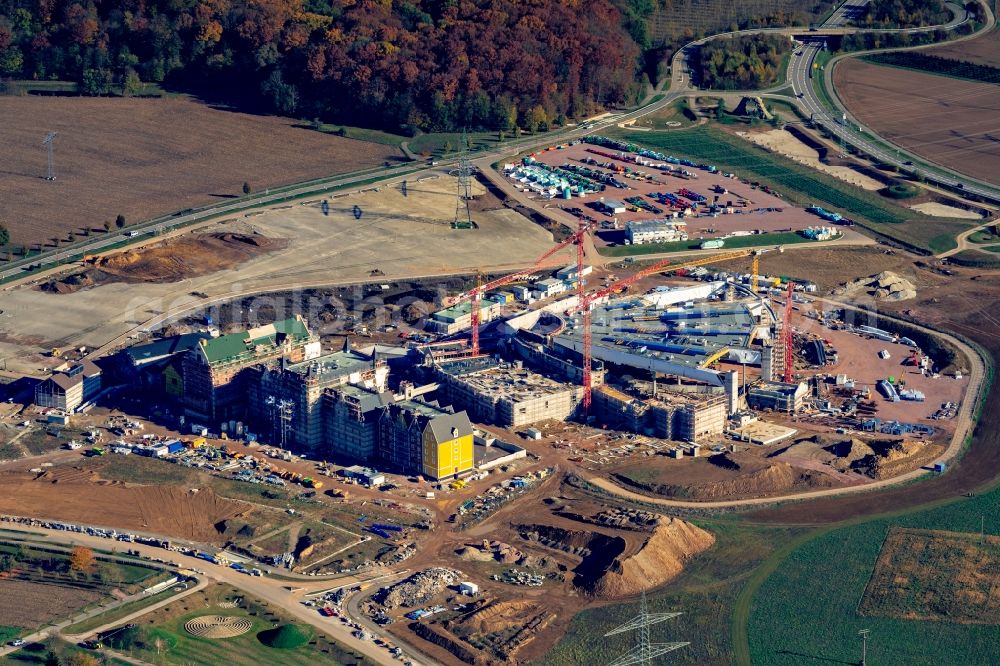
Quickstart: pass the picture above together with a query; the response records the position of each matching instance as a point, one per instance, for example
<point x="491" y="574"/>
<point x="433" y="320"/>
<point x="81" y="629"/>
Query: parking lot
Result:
<point x="647" y="189"/>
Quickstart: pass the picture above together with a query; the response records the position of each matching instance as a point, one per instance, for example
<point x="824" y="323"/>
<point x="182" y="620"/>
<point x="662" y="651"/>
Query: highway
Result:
<point x="847" y="129"/>
<point x="798" y="75"/>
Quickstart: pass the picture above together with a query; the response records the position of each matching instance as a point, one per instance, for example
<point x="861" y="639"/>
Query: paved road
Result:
<point x="963" y="242"/>
<point x="963" y="428"/>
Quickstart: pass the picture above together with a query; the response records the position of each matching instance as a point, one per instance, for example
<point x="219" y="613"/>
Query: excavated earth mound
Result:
<point x="171" y="261"/>
<point x="611" y="569"/>
<point x="659" y="560"/>
<point x="885" y="286"/>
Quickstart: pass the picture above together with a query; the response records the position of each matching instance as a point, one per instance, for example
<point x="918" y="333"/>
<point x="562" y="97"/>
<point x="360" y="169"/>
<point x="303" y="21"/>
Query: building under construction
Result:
<point x="683" y="417"/>
<point x="506" y="393"/>
<point x="777" y="396"/>
<point x="215" y="373"/>
<point x="675" y="332"/>
<point x="287" y="402"/>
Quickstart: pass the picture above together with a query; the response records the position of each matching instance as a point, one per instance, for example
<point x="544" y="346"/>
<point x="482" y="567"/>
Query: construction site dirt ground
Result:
<point x="147" y="157"/>
<point x="790" y="218"/>
<point x="858" y="358"/>
<point x="572" y="577"/>
<point x="399" y="235"/>
<point x="72" y="493"/>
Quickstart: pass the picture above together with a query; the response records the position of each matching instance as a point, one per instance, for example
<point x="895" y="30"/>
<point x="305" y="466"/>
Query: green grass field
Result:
<point x="757" y="240"/>
<point x="180" y="647"/>
<point x="107" y="617"/>
<point x="802" y="185"/>
<point x="36" y="653"/>
<point x="806" y="611"/>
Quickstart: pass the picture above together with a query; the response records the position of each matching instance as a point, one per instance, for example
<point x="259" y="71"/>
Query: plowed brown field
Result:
<point x="146" y="157"/>
<point x="948" y="121"/>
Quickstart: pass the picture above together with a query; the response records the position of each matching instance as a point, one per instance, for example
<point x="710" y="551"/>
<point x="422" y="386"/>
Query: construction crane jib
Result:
<point x="476" y="294"/>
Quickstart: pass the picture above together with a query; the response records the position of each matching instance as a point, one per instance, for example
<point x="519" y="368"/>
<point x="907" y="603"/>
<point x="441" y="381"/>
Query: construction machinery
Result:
<point x="714" y="357"/>
<point x="476" y="294"/>
<point x="587" y="300"/>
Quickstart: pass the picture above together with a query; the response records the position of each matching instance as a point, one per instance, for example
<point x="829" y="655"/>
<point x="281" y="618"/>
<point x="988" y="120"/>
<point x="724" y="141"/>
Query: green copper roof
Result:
<point x="233" y="347"/>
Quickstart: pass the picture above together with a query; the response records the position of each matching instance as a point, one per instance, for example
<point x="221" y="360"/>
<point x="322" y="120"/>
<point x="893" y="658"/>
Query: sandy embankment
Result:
<point x="785" y="143"/>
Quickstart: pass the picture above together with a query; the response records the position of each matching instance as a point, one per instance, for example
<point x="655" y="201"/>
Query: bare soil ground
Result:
<point x="944" y="210"/>
<point x="27" y="604"/>
<point x="784" y="142"/>
<point x="934" y="575"/>
<point x="909" y="108"/>
<point x="146" y="157"/>
<point x="72" y="493"/>
<point x="170" y="262"/>
<point x="726" y="476"/>
<point x="961" y="302"/>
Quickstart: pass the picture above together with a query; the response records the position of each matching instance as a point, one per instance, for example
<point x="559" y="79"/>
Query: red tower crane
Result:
<point x="786" y="334"/>
<point x="588" y="300"/>
<point x="476" y="294"/>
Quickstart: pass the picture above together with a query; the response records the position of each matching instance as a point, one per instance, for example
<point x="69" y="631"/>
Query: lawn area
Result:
<point x="802" y="185"/>
<point x="977" y="259"/>
<point x="440" y="143"/>
<point x="983" y="236"/>
<point x="166" y="625"/>
<point x="109" y="616"/>
<point x="807" y="610"/>
<point x="705" y="593"/>
<point x="7" y="633"/>
<point x="37" y="653"/>
<point x="667" y="117"/>
<point x="785" y="238"/>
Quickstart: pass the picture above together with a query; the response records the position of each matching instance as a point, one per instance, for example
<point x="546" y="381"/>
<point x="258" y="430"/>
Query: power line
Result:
<point x="49" y="142"/>
<point x="463" y="215"/>
<point x="644" y="651"/>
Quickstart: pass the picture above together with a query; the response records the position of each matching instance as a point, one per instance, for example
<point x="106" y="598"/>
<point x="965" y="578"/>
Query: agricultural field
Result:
<point x="908" y="107"/>
<point x="802" y="185"/>
<point x="808" y="607"/>
<point x="163" y="631"/>
<point x="149" y="157"/>
<point x="31" y="604"/>
<point x="934" y="575"/>
<point x="939" y="65"/>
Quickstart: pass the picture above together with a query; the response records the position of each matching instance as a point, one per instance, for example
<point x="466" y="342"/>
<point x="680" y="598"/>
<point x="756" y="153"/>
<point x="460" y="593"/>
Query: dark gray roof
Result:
<point x="449" y="426"/>
<point x="164" y="347"/>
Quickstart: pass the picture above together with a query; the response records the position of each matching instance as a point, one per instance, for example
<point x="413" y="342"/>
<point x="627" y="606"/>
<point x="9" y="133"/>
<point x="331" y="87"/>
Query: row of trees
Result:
<point x="903" y="13"/>
<point x="742" y="63"/>
<point x="962" y="69"/>
<point x="428" y="64"/>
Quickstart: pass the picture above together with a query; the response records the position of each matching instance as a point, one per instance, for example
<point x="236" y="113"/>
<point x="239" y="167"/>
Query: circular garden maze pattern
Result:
<point x="217" y="626"/>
